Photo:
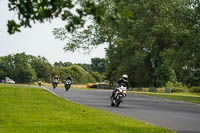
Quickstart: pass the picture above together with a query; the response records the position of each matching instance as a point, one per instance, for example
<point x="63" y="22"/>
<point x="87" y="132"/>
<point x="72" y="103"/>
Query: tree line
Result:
<point x="27" y="69"/>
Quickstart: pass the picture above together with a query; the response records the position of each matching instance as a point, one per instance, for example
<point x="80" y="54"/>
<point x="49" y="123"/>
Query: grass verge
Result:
<point x="33" y="110"/>
<point x="186" y="97"/>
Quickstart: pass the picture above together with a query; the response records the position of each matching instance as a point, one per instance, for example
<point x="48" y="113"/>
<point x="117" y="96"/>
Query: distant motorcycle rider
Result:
<point x="122" y="82"/>
<point x="69" y="78"/>
<point x="55" y="77"/>
<point x="68" y="83"/>
<point x="55" y="81"/>
<point x="39" y="83"/>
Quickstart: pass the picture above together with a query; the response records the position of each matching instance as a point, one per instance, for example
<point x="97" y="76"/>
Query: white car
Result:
<point x="10" y="81"/>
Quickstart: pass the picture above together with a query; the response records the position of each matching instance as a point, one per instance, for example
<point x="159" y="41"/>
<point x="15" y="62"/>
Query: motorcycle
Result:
<point x="67" y="84"/>
<point x="119" y="95"/>
<point x="55" y="83"/>
<point x="39" y="83"/>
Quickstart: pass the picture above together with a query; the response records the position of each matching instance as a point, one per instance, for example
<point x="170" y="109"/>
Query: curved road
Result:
<point x="179" y="116"/>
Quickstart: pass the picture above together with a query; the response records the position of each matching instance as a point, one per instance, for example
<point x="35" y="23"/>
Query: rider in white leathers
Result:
<point x="122" y="82"/>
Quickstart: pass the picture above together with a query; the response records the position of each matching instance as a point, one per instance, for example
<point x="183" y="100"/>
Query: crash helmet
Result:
<point x="125" y="76"/>
<point x="69" y="77"/>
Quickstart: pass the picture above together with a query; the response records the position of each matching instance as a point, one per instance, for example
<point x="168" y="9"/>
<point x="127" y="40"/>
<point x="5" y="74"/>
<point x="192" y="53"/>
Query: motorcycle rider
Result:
<point x="55" y="80"/>
<point x="122" y="82"/>
<point x="68" y="83"/>
<point x="39" y="82"/>
<point x="55" y="77"/>
<point x="68" y="78"/>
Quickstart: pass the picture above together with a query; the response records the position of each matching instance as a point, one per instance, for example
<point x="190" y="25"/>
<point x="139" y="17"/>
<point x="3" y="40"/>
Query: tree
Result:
<point x="18" y="68"/>
<point x="78" y="74"/>
<point x="96" y="33"/>
<point x="98" y="65"/>
<point x="42" y="68"/>
<point x="62" y="64"/>
<point x="25" y="68"/>
<point x="161" y="38"/>
<point x="23" y="71"/>
<point x="41" y="11"/>
<point x="58" y="64"/>
<point x="97" y="76"/>
<point x="86" y="67"/>
<point x="7" y="66"/>
<point x="67" y="64"/>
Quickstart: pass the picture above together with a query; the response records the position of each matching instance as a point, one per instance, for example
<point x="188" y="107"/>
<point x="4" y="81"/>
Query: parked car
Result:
<point x="10" y="81"/>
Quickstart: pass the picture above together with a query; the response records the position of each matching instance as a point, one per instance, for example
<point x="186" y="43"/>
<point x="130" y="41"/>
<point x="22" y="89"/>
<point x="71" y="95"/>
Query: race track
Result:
<point x="179" y="116"/>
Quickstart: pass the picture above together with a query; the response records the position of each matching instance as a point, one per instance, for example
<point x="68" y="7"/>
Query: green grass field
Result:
<point x="186" y="97"/>
<point x="34" y="110"/>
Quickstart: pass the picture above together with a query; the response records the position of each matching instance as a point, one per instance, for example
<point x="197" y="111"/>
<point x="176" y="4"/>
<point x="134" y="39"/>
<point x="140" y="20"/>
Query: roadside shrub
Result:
<point x="195" y="89"/>
<point x="176" y="87"/>
<point x="97" y="76"/>
<point x="78" y="74"/>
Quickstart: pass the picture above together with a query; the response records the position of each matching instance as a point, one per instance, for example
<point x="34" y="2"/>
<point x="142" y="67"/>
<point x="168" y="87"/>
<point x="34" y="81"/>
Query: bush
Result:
<point x="176" y="87"/>
<point x="195" y="89"/>
<point x="78" y="74"/>
<point x="97" y="76"/>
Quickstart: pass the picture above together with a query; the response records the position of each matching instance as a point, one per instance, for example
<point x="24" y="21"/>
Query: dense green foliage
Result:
<point x="62" y="64"/>
<point x="78" y="74"/>
<point x="97" y="76"/>
<point x="74" y="12"/>
<point x="24" y="68"/>
<point x="195" y="89"/>
<point x="86" y="67"/>
<point x="159" y="44"/>
<point x="42" y="68"/>
<point x="18" y="68"/>
<point x="98" y="65"/>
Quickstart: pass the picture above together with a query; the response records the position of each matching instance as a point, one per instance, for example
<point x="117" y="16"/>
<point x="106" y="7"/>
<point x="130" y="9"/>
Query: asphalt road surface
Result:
<point x="179" y="116"/>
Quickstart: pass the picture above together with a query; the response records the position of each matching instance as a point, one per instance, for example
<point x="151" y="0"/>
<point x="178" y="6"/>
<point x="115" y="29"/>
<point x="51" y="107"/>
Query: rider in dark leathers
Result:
<point x="69" y="78"/>
<point x="68" y="83"/>
<point x="55" y="81"/>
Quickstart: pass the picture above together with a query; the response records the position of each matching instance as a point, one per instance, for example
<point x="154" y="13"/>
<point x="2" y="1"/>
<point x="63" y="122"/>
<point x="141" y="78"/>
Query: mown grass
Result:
<point x="34" y="110"/>
<point x="186" y="97"/>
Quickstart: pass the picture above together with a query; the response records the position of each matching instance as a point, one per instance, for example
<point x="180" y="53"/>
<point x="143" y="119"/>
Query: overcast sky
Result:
<point x="39" y="40"/>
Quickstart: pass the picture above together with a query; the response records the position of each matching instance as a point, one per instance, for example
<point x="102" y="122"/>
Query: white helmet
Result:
<point x="125" y="76"/>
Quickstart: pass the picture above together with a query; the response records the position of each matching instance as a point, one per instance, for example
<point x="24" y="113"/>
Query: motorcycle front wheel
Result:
<point x="117" y="104"/>
<point x="54" y="86"/>
<point x="112" y="102"/>
<point x="118" y="101"/>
